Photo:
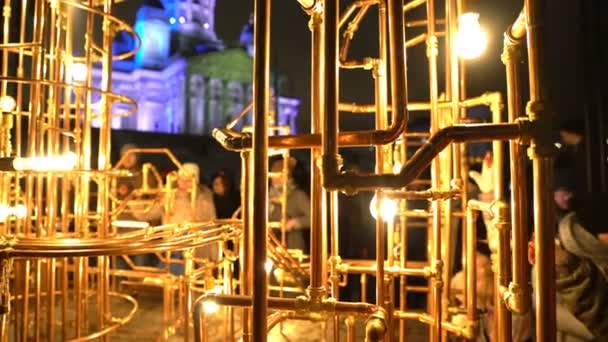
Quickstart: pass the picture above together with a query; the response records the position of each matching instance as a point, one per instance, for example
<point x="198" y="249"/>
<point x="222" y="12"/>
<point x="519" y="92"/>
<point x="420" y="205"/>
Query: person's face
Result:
<point x="184" y="183"/>
<point x="277" y="166"/>
<point x="218" y="186"/>
<point x="130" y="161"/>
<point x="562" y="199"/>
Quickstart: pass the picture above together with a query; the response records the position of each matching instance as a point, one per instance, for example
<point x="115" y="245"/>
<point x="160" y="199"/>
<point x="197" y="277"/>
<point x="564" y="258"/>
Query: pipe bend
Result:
<point x="232" y="140"/>
<point x="376" y="327"/>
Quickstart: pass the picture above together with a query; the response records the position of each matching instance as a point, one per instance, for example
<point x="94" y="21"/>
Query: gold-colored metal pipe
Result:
<point x="318" y="228"/>
<point x="517" y="296"/>
<point x="300" y="304"/>
<point x="259" y="181"/>
<point x="376" y="326"/>
<point x="542" y="153"/>
<point x="389" y="270"/>
<point x="351" y="182"/>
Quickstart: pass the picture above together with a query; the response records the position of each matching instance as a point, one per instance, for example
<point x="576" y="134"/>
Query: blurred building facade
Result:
<point x="183" y="78"/>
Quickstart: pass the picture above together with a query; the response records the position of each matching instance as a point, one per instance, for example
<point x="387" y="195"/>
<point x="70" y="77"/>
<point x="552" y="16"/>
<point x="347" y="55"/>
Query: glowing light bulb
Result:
<point x="182" y="20"/>
<point x="397" y="167"/>
<point x="7" y="103"/>
<point x="470" y="41"/>
<point x="65" y="162"/>
<point x="388" y="208"/>
<point x="130" y="224"/>
<point x="4" y="212"/>
<point x="206" y="26"/>
<point x="19" y="211"/>
<point x="268" y="266"/>
<point x="172" y="20"/>
<point x="78" y="72"/>
<point x="210" y="307"/>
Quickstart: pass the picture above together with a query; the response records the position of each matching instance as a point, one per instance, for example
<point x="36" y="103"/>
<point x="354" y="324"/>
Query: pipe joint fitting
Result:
<point x="526" y="129"/>
<point x="378" y="67"/>
<point x="511" y="53"/>
<point x="302" y="305"/>
<point x="432" y="46"/>
<point x="436" y="267"/>
<point x="516" y="299"/>
<point x="375" y="326"/>
<point x="328" y="306"/>
<point x="542" y="118"/>
<point x="316" y="295"/>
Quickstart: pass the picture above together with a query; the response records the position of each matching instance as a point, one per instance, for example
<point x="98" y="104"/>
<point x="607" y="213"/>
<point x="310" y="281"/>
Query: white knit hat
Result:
<point x="189" y="170"/>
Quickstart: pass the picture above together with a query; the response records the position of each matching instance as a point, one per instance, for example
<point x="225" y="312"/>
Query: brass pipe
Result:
<point x="350" y="328"/>
<point x="352" y="182"/>
<point x="501" y="227"/>
<point x="542" y="153"/>
<point x="517" y="296"/>
<point x="429" y="194"/>
<point x="350" y="32"/>
<point x="300" y="304"/>
<point x="470" y="267"/>
<point x="259" y="183"/>
<point x="410" y="5"/>
<point x="502" y="224"/>
<point x="376" y="326"/>
<point x="351" y="9"/>
<point x="318" y="219"/>
<point x="436" y="171"/>
<point x="380" y="82"/>
<point x="389" y="270"/>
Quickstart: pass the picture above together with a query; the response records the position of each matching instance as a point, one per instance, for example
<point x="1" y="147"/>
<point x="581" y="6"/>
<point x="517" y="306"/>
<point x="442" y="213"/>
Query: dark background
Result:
<point x="576" y="62"/>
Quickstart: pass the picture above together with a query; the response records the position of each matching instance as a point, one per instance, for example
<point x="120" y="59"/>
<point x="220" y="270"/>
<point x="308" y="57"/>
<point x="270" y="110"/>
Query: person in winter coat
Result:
<point x="181" y="210"/>
<point x="298" y="206"/>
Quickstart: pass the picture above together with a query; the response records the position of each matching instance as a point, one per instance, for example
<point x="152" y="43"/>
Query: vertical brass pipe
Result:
<point x="319" y="220"/>
<point x="512" y="58"/>
<point x="259" y="183"/>
<point x="247" y="251"/>
<point x="379" y="72"/>
<point x="542" y="168"/>
<point x="470" y="266"/>
<point x="435" y="333"/>
<point x="502" y="227"/>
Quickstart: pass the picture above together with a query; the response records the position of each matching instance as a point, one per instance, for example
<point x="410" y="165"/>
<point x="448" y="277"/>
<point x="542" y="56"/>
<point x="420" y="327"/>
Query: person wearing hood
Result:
<point x="581" y="272"/>
<point x="297" y="206"/>
<point x="182" y="210"/>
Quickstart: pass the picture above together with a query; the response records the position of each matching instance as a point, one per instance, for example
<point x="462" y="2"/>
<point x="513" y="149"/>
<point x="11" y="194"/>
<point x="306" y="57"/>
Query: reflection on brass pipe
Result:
<point x="352" y="182"/>
<point x="541" y="152"/>
<point x="517" y="296"/>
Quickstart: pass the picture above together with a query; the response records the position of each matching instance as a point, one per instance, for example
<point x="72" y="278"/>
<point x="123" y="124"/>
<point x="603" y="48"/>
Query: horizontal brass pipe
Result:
<point x="237" y="141"/>
<point x="390" y="270"/>
<point x="352" y="182"/>
<point x="464" y="331"/>
<point x="423" y="194"/>
<point x="289" y="304"/>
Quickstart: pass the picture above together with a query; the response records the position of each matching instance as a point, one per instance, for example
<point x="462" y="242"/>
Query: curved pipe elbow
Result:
<point x="375" y="327"/>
